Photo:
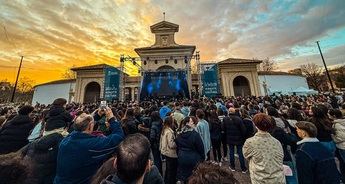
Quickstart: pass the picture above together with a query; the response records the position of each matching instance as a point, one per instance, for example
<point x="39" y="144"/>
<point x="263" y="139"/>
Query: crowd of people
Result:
<point x="278" y="139"/>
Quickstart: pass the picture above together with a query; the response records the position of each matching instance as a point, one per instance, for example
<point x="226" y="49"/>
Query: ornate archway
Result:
<point x="92" y="92"/>
<point x="241" y="86"/>
<point x="165" y="68"/>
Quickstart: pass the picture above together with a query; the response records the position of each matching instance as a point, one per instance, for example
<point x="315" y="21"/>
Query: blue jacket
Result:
<point x="81" y="154"/>
<point x="315" y="164"/>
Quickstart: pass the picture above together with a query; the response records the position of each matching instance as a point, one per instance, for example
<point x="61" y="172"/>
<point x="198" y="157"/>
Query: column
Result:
<point x="132" y="94"/>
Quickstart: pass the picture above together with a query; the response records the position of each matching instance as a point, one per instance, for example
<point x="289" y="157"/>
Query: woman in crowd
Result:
<point x="155" y="135"/>
<point x="324" y="127"/>
<point x="190" y="149"/>
<point x="248" y="123"/>
<point x="168" y="149"/>
<point x="339" y="138"/>
<point x="129" y="122"/>
<point x="215" y="133"/>
<point x="264" y="153"/>
<point x="315" y="163"/>
<point x="221" y="115"/>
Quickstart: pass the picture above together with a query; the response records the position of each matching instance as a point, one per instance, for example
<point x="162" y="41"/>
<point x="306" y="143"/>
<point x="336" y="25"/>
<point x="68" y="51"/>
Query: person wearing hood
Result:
<point x="57" y="117"/>
<point x="42" y="153"/>
<point x="339" y="138"/>
<point x="190" y="149"/>
<point x="14" y="133"/>
<point x="163" y="111"/>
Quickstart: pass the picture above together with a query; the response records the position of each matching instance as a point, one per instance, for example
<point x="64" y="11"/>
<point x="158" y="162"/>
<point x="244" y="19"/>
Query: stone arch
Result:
<point x="241" y="86"/>
<point x="92" y="92"/>
<point x="165" y="67"/>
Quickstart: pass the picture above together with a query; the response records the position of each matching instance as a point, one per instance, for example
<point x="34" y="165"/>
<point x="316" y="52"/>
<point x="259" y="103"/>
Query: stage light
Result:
<point x="175" y="61"/>
<point x="166" y="61"/>
<point x="145" y="62"/>
<point x="156" y="62"/>
<point x="122" y="59"/>
<point x="185" y="59"/>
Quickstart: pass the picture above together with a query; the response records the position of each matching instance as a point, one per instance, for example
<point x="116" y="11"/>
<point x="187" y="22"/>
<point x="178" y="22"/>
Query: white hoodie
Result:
<point x="339" y="136"/>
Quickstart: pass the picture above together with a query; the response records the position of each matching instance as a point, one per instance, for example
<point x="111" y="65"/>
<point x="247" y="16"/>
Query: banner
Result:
<point x="164" y="84"/>
<point x="209" y="78"/>
<point x="111" y="84"/>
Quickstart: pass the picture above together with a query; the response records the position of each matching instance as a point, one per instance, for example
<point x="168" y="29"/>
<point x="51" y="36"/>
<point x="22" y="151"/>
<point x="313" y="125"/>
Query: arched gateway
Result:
<point x="92" y="92"/>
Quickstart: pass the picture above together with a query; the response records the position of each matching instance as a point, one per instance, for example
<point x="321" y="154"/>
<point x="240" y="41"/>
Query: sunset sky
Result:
<point x="54" y="35"/>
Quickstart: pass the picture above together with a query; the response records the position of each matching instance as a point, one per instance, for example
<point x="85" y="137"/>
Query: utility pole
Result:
<point x="15" y="85"/>
<point x="324" y="64"/>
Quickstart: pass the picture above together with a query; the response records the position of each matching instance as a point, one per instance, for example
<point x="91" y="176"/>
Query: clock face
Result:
<point x="164" y="40"/>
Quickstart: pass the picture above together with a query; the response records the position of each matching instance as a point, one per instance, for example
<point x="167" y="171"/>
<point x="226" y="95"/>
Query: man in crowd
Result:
<point x="81" y="154"/>
<point x="132" y="160"/>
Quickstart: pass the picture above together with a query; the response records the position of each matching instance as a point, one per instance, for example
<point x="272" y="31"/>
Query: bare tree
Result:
<point x="314" y="74"/>
<point x="25" y="84"/>
<point x="268" y="65"/>
<point x="338" y="75"/>
<point x="297" y="71"/>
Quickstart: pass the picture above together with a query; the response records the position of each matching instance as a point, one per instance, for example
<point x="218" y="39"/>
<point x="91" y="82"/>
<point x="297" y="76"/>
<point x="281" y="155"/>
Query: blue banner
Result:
<point x="111" y="84"/>
<point x="209" y="78"/>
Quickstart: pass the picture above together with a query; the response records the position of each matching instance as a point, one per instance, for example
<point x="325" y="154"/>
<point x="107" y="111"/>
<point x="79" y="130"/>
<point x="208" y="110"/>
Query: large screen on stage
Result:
<point x="164" y="84"/>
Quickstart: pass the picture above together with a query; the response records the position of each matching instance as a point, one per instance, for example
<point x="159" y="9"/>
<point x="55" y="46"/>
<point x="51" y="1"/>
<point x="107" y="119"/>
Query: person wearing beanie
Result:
<point x="58" y="118"/>
<point x="14" y="133"/>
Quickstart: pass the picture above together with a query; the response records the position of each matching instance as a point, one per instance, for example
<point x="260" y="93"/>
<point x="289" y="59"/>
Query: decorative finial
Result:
<point x="164" y="16"/>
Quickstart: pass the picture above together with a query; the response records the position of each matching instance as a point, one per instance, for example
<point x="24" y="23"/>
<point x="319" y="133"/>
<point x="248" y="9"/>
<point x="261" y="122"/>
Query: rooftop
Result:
<point x="239" y="61"/>
<point x="91" y="67"/>
<point x="277" y="73"/>
<point x="62" y="81"/>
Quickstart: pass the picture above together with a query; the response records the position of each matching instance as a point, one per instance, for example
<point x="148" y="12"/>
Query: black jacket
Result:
<point x="42" y="153"/>
<point x="14" y="134"/>
<point x="57" y="117"/>
<point x="235" y="130"/>
<point x="250" y="129"/>
<point x="215" y="129"/>
<point x="151" y="177"/>
<point x="285" y="140"/>
<point x="155" y="134"/>
<point x="190" y="151"/>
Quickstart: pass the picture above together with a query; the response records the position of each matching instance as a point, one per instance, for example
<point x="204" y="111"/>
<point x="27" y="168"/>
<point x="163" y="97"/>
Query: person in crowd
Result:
<point x="129" y="123"/>
<point x="38" y="130"/>
<point x="185" y="109"/>
<point x="168" y="149"/>
<point x="58" y="116"/>
<point x="80" y="151"/>
<point x="264" y="153"/>
<point x="4" y="112"/>
<point x="235" y="135"/>
<point x="203" y="129"/>
<point x="324" y="126"/>
<point x="164" y="110"/>
<point x="42" y="153"/>
<point x="190" y="149"/>
<point x="178" y="115"/>
<point x="221" y="116"/>
<point x="12" y="169"/>
<point x="315" y="163"/>
<point x="248" y="123"/>
<point x="146" y="122"/>
<point x="132" y="161"/>
<point x="14" y="133"/>
<point x="105" y="172"/>
<point x="155" y="135"/>
<point x="339" y="138"/>
<point x="215" y="131"/>
<point x="210" y="173"/>
<point x="343" y="108"/>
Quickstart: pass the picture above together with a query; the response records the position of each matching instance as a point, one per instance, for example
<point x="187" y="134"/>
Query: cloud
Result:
<point x="56" y="34"/>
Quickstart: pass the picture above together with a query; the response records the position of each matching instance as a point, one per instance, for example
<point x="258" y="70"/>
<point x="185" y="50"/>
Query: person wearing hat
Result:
<point x="14" y="133"/>
<point x="58" y="118"/>
<point x="314" y="162"/>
